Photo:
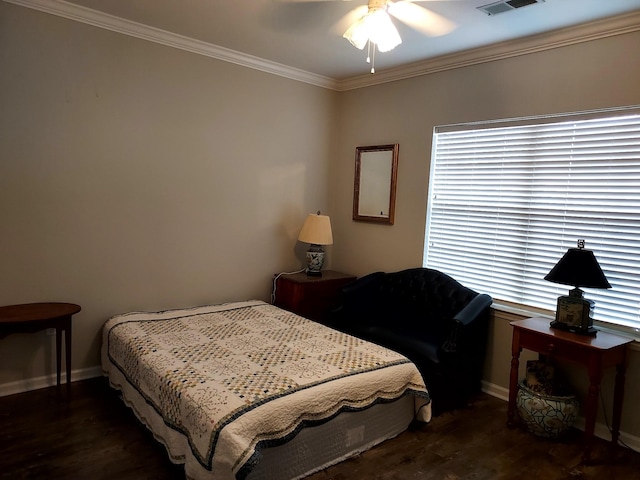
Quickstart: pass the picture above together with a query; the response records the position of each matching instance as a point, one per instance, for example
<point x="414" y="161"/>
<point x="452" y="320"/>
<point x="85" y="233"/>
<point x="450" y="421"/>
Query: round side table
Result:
<point x="33" y="317"/>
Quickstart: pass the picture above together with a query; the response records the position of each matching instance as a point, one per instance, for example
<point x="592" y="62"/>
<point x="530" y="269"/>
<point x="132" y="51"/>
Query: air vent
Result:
<point x="506" y="6"/>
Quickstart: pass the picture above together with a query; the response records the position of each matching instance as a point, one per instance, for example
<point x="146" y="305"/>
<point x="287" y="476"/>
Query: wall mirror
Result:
<point x="374" y="190"/>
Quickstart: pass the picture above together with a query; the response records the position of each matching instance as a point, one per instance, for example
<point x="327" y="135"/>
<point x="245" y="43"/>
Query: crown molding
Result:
<point x="586" y="32"/>
<point x="92" y="17"/>
<point x="595" y="30"/>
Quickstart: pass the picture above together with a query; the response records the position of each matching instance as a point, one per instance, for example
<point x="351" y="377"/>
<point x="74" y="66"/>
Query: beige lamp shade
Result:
<point x="316" y="230"/>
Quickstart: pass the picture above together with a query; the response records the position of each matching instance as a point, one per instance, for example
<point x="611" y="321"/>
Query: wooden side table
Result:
<point x="308" y="296"/>
<point x="594" y="353"/>
<point x="33" y="317"/>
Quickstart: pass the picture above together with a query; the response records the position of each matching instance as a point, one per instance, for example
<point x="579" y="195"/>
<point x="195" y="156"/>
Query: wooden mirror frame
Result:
<point x="358" y="186"/>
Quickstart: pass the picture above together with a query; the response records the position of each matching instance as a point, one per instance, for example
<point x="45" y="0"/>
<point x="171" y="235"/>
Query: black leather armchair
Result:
<point x="429" y="317"/>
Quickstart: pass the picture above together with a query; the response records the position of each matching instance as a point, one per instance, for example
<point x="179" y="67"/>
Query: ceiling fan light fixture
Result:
<point x="377" y="27"/>
<point x="382" y="32"/>
<point x="358" y="33"/>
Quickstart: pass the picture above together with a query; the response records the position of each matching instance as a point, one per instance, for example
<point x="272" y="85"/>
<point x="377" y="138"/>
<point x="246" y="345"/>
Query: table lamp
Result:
<point x="317" y="232"/>
<point x="578" y="267"/>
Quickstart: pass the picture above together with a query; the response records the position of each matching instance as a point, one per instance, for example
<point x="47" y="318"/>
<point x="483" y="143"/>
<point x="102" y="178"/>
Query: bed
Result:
<point x="247" y="390"/>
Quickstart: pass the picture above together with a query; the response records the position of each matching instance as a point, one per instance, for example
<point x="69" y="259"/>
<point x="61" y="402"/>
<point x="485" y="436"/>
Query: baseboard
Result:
<point x="601" y="430"/>
<point x="495" y="390"/>
<point x="36" y="383"/>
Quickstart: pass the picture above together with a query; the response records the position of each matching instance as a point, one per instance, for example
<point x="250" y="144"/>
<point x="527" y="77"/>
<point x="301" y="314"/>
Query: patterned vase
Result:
<point x="315" y="260"/>
<point x="546" y="416"/>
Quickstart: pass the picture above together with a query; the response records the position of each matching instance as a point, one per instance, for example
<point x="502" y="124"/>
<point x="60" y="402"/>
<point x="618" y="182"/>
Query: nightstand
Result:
<point x="593" y="353"/>
<point x="309" y="296"/>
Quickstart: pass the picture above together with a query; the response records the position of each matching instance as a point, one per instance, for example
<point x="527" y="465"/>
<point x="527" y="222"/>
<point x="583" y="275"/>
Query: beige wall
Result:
<point x="596" y="74"/>
<point x="135" y="176"/>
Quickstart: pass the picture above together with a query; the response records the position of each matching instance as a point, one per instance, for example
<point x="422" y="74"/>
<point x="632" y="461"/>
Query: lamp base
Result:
<point x="589" y="331"/>
<point x="315" y="260"/>
<point x="574" y="313"/>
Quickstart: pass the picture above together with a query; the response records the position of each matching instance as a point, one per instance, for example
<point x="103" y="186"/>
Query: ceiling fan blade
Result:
<point x="420" y="18"/>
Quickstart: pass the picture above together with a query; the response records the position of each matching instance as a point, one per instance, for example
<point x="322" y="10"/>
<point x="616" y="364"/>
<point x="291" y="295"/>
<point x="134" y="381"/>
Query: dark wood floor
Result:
<point x="94" y="436"/>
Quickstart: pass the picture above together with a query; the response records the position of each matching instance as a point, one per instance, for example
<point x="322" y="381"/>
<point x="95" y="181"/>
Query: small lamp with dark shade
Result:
<point x="579" y="268"/>
<point x="317" y="232"/>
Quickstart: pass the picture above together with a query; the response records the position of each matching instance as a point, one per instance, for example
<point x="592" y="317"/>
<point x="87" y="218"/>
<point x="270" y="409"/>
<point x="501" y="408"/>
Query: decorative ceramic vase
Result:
<point x="547" y="416"/>
<point x="315" y="260"/>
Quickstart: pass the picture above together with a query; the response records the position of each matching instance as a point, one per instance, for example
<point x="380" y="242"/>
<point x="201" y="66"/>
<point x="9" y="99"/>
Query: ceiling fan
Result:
<point x="371" y="25"/>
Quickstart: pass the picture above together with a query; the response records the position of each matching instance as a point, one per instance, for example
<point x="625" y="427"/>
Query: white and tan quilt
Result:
<point x="230" y="378"/>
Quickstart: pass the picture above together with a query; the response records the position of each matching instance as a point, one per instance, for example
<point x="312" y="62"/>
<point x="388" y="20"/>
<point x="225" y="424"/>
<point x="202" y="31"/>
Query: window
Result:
<point x="508" y="198"/>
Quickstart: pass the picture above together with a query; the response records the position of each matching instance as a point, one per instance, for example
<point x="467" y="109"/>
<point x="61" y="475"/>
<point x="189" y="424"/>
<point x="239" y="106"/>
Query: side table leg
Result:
<point x="513" y="377"/>
<point x="595" y="376"/>
<point x="618" y="396"/>
<point x="58" y="353"/>
<point x="67" y="351"/>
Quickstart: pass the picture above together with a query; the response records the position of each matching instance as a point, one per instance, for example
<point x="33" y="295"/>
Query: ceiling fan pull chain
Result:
<point x="373" y="59"/>
<point x="368" y="51"/>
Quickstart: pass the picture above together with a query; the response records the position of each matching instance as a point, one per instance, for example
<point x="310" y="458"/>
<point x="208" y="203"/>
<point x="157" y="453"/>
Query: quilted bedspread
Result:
<point x="230" y="378"/>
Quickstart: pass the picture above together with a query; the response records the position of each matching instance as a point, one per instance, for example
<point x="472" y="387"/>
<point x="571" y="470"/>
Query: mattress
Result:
<point x="220" y="385"/>
<point x="350" y="433"/>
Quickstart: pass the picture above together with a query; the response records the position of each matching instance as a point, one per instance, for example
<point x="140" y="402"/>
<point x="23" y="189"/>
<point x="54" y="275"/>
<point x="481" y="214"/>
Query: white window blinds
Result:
<point x="507" y="199"/>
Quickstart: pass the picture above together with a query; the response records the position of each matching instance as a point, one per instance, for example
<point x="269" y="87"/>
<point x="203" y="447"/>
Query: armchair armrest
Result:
<point x="469" y="313"/>
<point x="353" y="299"/>
<point x="464" y="318"/>
<point x="361" y="284"/>
<point x="355" y="294"/>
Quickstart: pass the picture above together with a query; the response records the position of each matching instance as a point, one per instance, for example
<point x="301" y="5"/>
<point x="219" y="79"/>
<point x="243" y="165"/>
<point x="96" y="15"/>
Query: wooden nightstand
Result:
<point x="310" y="297"/>
<point x="593" y="353"/>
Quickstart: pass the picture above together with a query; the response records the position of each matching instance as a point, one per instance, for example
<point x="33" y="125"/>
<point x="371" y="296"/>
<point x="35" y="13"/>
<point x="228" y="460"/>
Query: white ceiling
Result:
<point x="307" y="34"/>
